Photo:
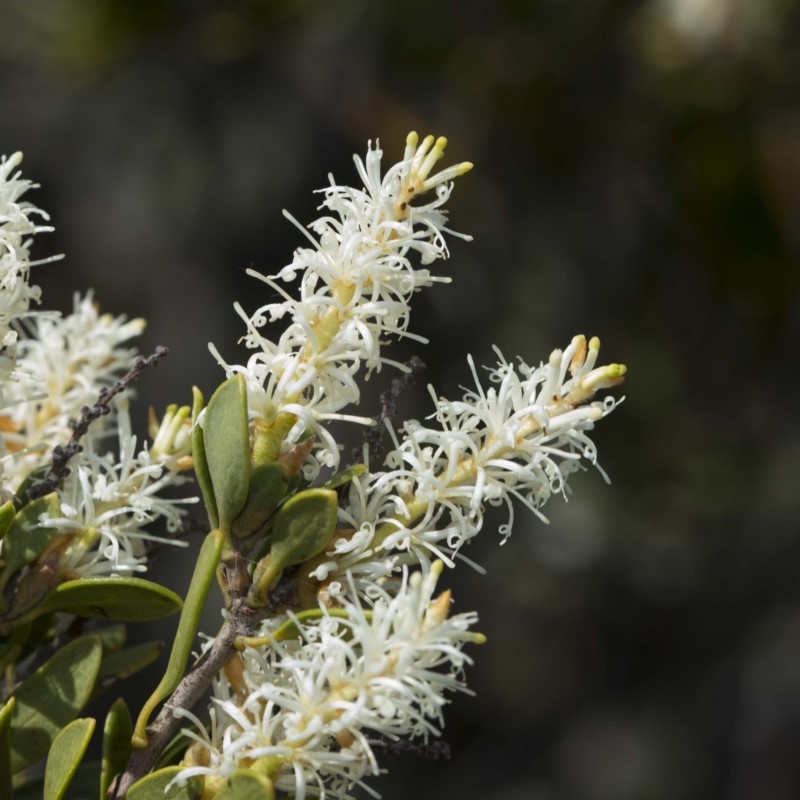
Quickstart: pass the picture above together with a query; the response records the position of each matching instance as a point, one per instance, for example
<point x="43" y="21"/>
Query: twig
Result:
<point x="166" y="724"/>
<point x="62" y="454"/>
<point x="374" y="436"/>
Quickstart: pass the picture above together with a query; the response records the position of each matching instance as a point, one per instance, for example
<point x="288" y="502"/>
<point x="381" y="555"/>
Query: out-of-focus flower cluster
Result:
<point x="18" y="226"/>
<point x="52" y="368"/>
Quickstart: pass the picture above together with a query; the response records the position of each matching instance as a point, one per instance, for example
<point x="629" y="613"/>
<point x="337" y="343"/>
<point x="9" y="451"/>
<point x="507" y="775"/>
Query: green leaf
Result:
<point x="267" y="488"/>
<point x="6" y="712"/>
<point x="124" y="663"/>
<point x="227" y="448"/>
<point x="7" y="513"/>
<point x="301" y="529"/>
<point x="112" y="637"/>
<point x="65" y="756"/>
<point x="246" y="784"/>
<point x="345" y="476"/>
<point x="117" y="733"/>
<point x="303" y="526"/>
<point x="27" y="539"/>
<point x="204" y="572"/>
<point x="50" y="698"/>
<point x="82" y="787"/>
<point x="122" y="599"/>
<point x="200" y="463"/>
<point x="152" y="786"/>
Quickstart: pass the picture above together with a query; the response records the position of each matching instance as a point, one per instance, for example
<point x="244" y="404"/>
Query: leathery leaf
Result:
<point x="52" y="697"/>
<point x="152" y="787"/>
<point x="301" y="529"/>
<point x="246" y="784"/>
<point x="116" y="743"/>
<point x="123" y="599"/>
<point x="227" y="448"/>
<point x="200" y="464"/>
<point x="64" y="757"/>
<point x="27" y="538"/>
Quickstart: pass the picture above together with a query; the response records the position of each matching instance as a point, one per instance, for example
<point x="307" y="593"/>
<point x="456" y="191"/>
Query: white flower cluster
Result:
<point x="356" y="282"/>
<point x="50" y="369"/>
<point x="18" y="226"/>
<point x="308" y="711"/>
<point x="108" y="502"/>
<point x="378" y="653"/>
<point x="522" y="437"/>
<point x="62" y="364"/>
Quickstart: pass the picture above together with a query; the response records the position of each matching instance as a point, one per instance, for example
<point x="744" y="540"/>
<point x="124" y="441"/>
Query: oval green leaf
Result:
<point x="227" y="447"/>
<point x="122" y="599"/>
<point x="199" y="458"/>
<point x="52" y="697"/>
<point x="303" y="526"/>
<point x="27" y="538"/>
<point x="65" y="756"/>
<point x="301" y="529"/>
<point x="152" y="787"/>
<point x="246" y="784"/>
<point x="116" y="743"/>
<point x="267" y="488"/>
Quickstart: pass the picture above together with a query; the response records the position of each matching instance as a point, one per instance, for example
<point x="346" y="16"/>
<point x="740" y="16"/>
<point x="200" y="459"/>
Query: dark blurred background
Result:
<point x="637" y="173"/>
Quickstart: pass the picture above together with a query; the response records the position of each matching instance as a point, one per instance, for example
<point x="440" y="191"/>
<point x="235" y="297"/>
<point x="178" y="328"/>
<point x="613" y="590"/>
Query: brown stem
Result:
<point x="166" y="724"/>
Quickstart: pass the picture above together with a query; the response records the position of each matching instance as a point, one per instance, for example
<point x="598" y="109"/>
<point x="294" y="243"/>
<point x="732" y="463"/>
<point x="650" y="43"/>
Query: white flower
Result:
<point x="62" y="365"/>
<point x="17" y="225"/>
<point x="304" y="710"/>
<point x="107" y="504"/>
<point x="172" y="437"/>
<point x="355" y="284"/>
<point x="522" y="437"/>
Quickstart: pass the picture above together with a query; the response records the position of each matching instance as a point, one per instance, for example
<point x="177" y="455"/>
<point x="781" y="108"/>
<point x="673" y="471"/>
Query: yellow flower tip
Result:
<point x="437" y="568"/>
<point x="594" y="343"/>
<point x="241" y="643"/>
<point x="603" y="377"/>
<point x="439" y="608"/>
<point x="579" y="341"/>
<point x="478" y="638"/>
<point x="579" y="359"/>
<point x="464" y="167"/>
<point x="184" y="463"/>
<point x="412" y="140"/>
<point x="426" y="143"/>
<point x="431" y="158"/>
<point x="153" y="424"/>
